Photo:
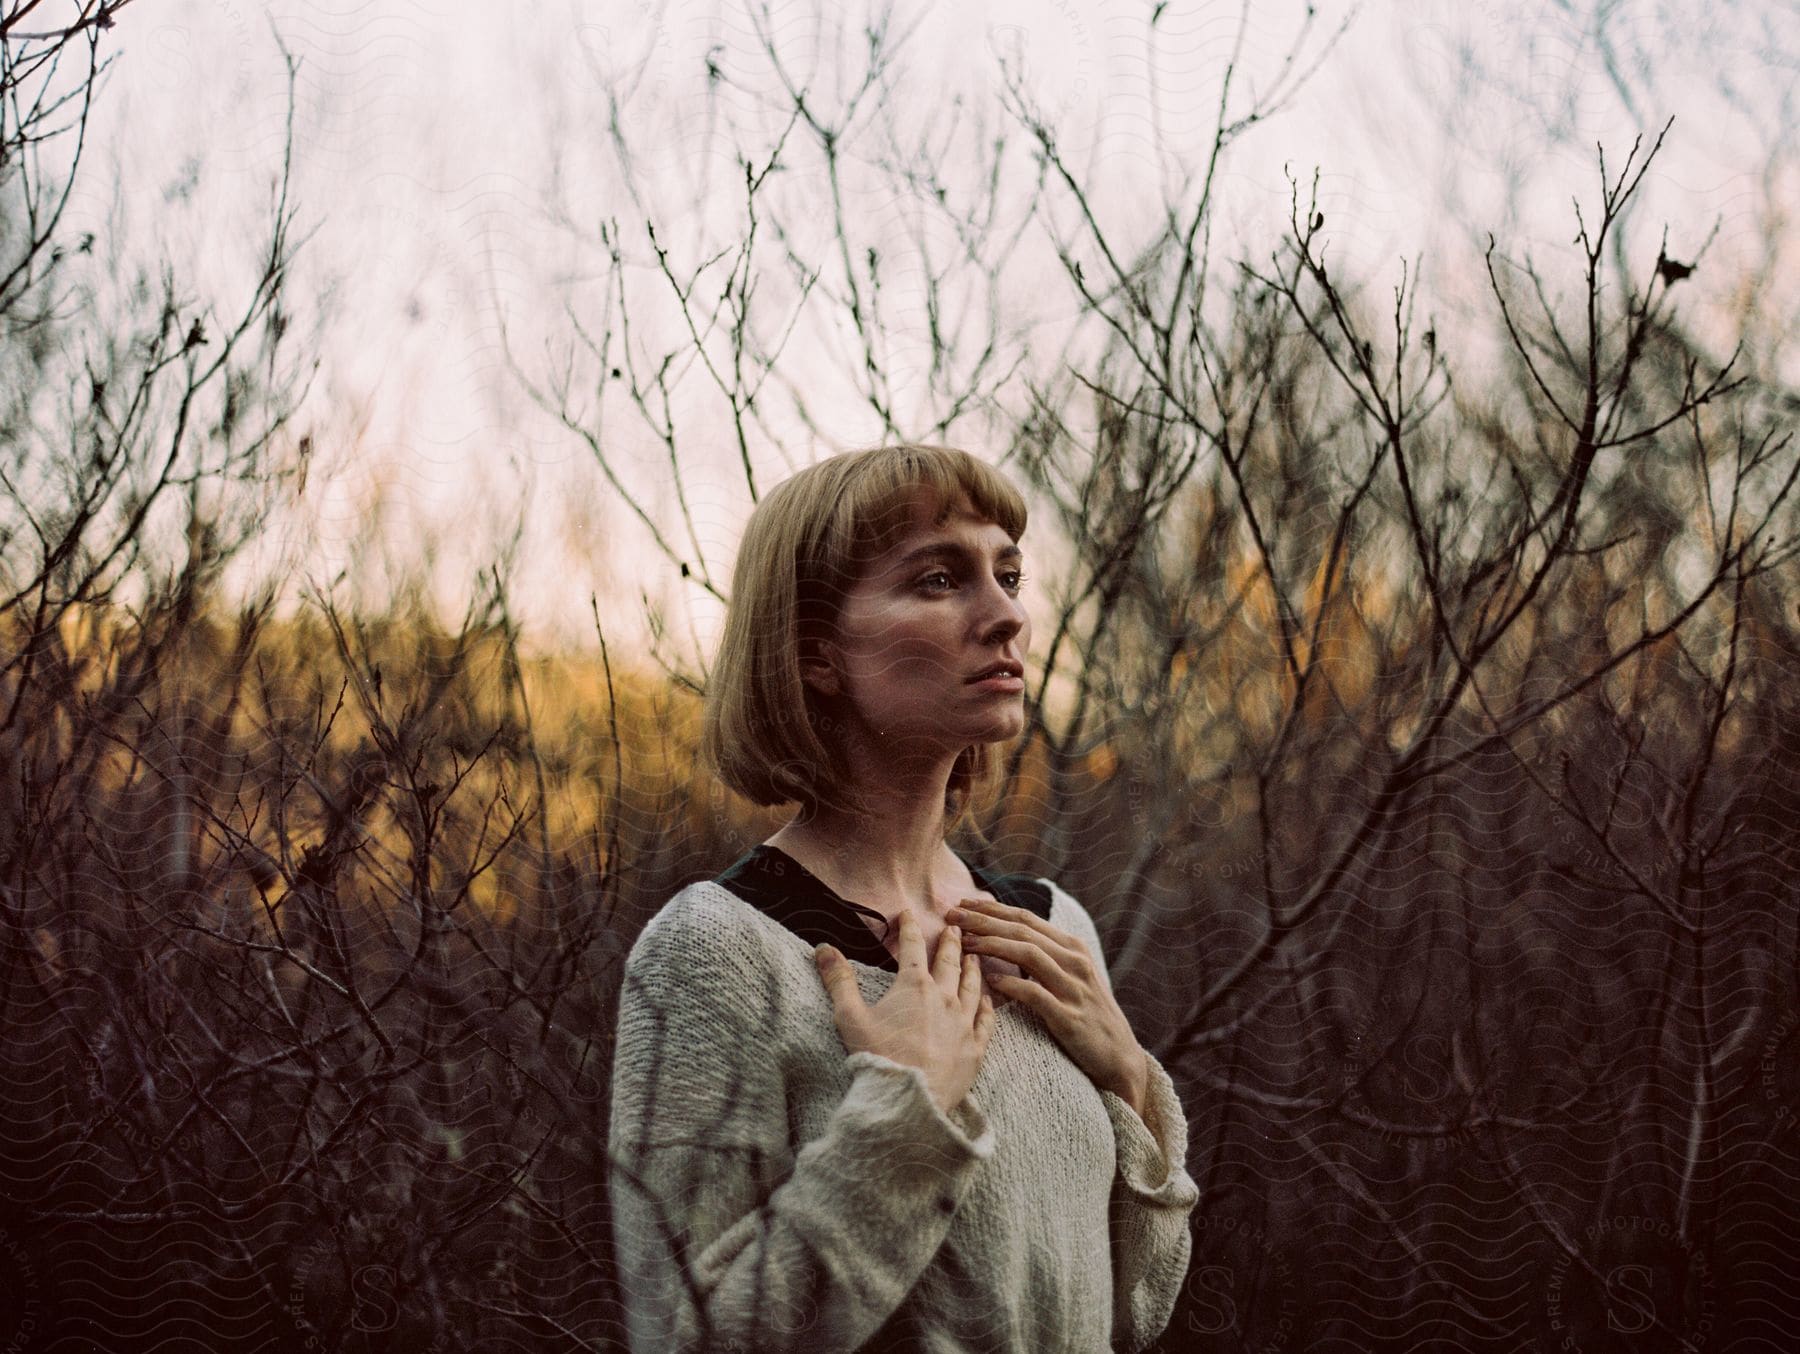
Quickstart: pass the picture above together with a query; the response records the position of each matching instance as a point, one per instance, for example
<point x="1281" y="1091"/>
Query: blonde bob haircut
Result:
<point x="767" y="734"/>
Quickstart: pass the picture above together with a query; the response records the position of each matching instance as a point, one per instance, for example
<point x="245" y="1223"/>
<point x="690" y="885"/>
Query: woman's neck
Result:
<point x="896" y="857"/>
<point x="882" y="868"/>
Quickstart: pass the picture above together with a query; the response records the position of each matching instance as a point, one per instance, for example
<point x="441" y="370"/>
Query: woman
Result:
<point x="876" y="1142"/>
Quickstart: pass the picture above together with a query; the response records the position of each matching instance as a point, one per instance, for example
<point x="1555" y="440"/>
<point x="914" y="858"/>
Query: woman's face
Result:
<point x="939" y="608"/>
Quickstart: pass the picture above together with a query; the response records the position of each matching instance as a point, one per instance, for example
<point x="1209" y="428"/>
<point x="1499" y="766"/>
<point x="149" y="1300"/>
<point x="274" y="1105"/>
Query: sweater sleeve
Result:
<point x="725" y="1235"/>
<point x="1152" y="1193"/>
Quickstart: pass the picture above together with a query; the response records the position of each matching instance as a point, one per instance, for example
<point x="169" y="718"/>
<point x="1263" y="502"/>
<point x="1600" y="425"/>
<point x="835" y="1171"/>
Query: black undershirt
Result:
<point x="781" y="887"/>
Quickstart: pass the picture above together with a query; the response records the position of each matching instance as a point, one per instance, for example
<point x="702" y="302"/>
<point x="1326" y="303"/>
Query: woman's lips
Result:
<point x="1001" y="683"/>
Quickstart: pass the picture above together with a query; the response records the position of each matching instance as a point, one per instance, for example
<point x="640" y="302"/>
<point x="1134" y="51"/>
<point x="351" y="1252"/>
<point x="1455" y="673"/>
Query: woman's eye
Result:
<point x="1018" y="579"/>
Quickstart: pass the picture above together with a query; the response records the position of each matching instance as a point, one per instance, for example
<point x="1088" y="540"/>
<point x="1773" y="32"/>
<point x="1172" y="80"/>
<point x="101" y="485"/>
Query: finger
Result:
<point x="839" y="980"/>
<point x="1063" y="949"/>
<point x="912" y="943"/>
<point x="946" y="964"/>
<point x="984" y="1019"/>
<point x="1033" y="994"/>
<point x="970" y="990"/>
<point x="1031" y="957"/>
<point x="1019" y="922"/>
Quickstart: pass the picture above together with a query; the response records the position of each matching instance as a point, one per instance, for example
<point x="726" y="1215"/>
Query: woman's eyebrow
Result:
<point x="954" y="550"/>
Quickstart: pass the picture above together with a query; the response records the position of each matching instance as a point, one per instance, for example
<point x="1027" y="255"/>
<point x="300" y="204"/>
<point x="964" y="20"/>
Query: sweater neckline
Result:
<point x="783" y="889"/>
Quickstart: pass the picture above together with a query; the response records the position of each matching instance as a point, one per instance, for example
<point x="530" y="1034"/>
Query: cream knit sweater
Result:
<point x="771" y="1192"/>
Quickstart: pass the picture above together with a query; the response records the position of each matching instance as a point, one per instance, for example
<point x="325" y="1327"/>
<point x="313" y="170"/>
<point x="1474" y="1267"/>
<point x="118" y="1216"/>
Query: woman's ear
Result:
<point x="819" y="671"/>
<point x="820" y="674"/>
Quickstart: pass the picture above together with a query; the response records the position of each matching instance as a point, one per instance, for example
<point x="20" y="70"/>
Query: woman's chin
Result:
<point x="1002" y="730"/>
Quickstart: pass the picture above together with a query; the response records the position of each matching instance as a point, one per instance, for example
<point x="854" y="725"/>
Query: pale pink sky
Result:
<point x="424" y="140"/>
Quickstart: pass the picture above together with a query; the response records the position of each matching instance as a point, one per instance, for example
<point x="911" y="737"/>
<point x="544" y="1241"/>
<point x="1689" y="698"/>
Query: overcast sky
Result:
<point x="427" y="134"/>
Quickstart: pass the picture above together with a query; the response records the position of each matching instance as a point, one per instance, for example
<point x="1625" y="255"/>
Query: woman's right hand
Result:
<point x="937" y="1018"/>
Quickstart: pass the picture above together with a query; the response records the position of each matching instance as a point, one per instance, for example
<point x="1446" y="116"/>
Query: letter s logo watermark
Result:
<point x="1637" y="1313"/>
<point x="1220" y="1313"/>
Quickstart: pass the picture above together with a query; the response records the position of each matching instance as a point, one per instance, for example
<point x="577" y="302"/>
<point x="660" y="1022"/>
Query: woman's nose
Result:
<point x="1003" y="604"/>
<point x="1008" y="611"/>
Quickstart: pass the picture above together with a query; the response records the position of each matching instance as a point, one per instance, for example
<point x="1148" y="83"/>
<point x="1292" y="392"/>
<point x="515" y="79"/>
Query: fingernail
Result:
<point x="824" y="954"/>
<point x="954" y="914"/>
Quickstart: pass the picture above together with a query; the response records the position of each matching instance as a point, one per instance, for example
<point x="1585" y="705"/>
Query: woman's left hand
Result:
<point x="1067" y="989"/>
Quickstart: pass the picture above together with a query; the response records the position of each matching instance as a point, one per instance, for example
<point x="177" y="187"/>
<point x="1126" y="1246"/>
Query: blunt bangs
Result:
<point x="765" y="733"/>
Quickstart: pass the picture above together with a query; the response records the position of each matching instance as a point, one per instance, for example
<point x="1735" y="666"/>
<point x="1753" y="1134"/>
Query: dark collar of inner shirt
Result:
<point x="781" y="887"/>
